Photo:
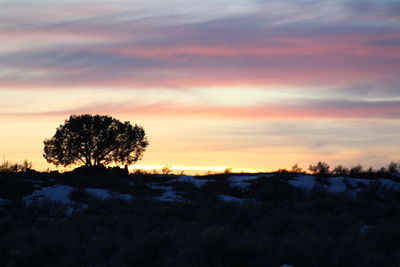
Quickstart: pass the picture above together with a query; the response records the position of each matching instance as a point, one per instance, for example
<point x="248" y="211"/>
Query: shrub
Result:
<point x="373" y="191"/>
<point x="393" y="167"/>
<point x="16" y="167"/>
<point x="166" y="170"/>
<point x="297" y="169"/>
<point x="324" y="231"/>
<point x="221" y="187"/>
<point x="13" y="188"/>
<point x="341" y="171"/>
<point x="50" y="209"/>
<point x="228" y="170"/>
<point x="274" y="189"/>
<point x="321" y="169"/>
<point x="356" y="170"/>
<point x="285" y="175"/>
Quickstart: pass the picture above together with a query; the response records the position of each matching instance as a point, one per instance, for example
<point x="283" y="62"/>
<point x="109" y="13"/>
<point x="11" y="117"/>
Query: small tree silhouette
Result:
<point x="228" y="170"/>
<point x="7" y="166"/>
<point x="296" y="168"/>
<point x="321" y="169"/>
<point x="356" y="170"/>
<point x="340" y="170"/>
<point x="166" y="169"/>
<point x="94" y="140"/>
<point x="393" y="167"/>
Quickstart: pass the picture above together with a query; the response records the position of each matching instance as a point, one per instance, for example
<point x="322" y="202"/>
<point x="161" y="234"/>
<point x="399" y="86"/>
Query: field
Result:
<point x="110" y="218"/>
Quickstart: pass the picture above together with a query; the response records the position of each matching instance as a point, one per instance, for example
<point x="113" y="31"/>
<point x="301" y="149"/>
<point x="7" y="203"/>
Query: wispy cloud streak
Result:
<point x="289" y="111"/>
<point x="351" y="43"/>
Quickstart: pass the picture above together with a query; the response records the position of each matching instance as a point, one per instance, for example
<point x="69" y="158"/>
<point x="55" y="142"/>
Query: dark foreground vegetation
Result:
<point x="277" y="224"/>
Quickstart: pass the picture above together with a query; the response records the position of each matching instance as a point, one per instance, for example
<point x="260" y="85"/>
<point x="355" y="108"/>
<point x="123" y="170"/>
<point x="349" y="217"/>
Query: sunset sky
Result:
<point x="249" y="84"/>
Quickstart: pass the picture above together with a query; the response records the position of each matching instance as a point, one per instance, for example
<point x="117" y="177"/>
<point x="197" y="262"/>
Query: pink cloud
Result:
<point x="339" y="109"/>
<point x="383" y="110"/>
<point x="99" y="49"/>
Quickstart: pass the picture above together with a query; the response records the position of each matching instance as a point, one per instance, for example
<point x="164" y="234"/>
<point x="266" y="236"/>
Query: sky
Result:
<point x="252" y="85"/>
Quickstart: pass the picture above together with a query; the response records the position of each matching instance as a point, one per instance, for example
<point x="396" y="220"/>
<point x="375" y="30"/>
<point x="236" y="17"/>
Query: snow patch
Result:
<point x="77" y="207"/>
<point x="389" y="183"/>
<point x="354" y="182"/>
<point x="244" y="178"/>
<point x="305" y="182"/>
<point x="168" y="196"/>
<point x="160" y="187"/>
<point x="366" y="228"/>
<point x="190" y="179"/>
<point x="337" y="185"/>
<point x="3" y="201"/>
<point x="243" y="181"/>
<point x="57" y="193"/>
<point x="32" y="181"/>
<point x="227" y="198"/>
<point x="60" y="193"/>
<point x="342" y="184"/>
<point x="107" y="194"/>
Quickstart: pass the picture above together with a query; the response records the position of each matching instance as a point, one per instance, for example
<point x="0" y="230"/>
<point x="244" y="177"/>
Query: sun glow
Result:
<point x="192" y="169"/>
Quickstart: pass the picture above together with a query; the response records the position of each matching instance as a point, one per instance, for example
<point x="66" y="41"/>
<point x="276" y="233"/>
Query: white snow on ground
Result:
<point x="160" y="187"/>
<point x="168" y="196"/>
<point x="384" y="182"/>
<point x="349" y="185"/>
<point x="243" y="185"/>
<point x="337" y="185"/>
<point x="246" y="178"/>
<point x="107" y="194"/>
<point x="32" y="181"/>
<point x="3" y="201"/>
<point x="242" y="181"/>
<point x="389" y="183"/>
<point x="366" y="228"/>
<point x="227" y="198"/>
<point x="61" y="193"/>
<point x="305" y="182"/>
<point x="354" y="182"/>
<point x="190" y="179"/>
<point x="54" y="193"/>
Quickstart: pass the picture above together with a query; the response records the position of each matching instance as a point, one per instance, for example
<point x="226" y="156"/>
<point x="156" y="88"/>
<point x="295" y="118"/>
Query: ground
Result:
<point x="266" y="219"/>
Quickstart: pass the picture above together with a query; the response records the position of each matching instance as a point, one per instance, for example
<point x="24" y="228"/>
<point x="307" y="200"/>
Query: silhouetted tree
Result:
<point x="7" y="166"/>
<point x="356" y="170"/>
<point x="393" y="167"/>
<point x="94" y="140"/>
<point x="296" y="168"/>
<point x="166" y="169"/>
<point x="228" y="170"/>
<point x="321" y="169"/>
<point x="340" y="170"/>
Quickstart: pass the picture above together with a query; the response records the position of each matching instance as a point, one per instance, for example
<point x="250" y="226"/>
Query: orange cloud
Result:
<point x="308" y="110"/>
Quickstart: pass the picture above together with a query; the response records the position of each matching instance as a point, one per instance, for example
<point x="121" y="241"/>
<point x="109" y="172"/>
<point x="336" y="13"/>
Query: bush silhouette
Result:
<point x="321" y="169"/>
<point x="95" y="140"/>
<point x="393" y="167"/>
<point x="340" y="170"/>
<point x="356" y="170"/>
<point x="7" y="166"/>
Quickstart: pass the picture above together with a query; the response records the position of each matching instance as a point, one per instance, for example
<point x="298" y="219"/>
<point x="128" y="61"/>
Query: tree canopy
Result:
<point x="94" y="140"/>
